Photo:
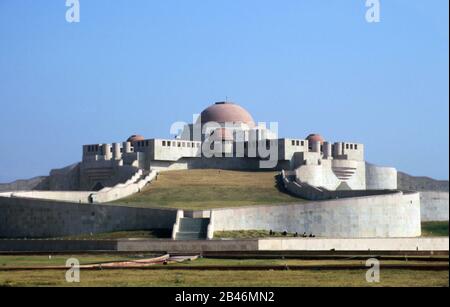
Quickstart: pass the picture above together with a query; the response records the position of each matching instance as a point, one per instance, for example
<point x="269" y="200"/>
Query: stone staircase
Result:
<point x="193" y="229"/>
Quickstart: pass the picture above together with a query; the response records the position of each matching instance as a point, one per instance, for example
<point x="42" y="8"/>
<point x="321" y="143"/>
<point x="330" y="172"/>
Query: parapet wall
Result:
<point x="31" y="218"/>
<point x="381" y="216"/>
<point x="411" y="246"/>
<point x="434" y="195"/>
<point x="122" y="190"/>
<point x="131" y="186"/>
<point x="310" y="192"/>
<point x="435" y="206"/>
<point x="66" y="196"/>
<point x="373" y="244"/>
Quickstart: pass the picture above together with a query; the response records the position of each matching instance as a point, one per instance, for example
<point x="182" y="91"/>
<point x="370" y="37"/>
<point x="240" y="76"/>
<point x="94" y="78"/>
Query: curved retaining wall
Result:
<point x="380" y="178"/>
<point x="123" y="190"/>
<point x="119" y="191"/>
<point x="31" y="218"/>
<point x="382" y="216"/>
<point x="309" y="192"/>
<point x="435" y="206"/>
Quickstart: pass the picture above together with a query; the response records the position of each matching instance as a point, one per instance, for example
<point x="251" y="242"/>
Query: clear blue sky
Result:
<point x="138" y="66"/>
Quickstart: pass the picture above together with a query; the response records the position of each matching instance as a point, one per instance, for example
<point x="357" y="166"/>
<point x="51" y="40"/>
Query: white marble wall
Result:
<point x="383" y="216"/>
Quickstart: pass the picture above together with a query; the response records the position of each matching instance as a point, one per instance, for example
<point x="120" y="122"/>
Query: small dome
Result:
<point x="227" y="112"/>
<point x="135" y="138"/>
<point x="315" y="138"/>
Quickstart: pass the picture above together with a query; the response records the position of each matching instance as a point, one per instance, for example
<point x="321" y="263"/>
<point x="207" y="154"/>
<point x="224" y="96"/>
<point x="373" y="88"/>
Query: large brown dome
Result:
<point x="227" y="112"/>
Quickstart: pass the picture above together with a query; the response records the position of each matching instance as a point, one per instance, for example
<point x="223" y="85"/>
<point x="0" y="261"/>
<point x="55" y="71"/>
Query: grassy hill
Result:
<point x="200" y="189"/>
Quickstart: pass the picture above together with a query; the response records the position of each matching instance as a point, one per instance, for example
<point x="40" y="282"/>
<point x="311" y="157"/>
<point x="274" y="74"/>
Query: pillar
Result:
<point x="337" y="150"/>
<point x="327" y="154"/>
<point x="116" y="151"/>
<point x="316" y="146"/>
<point x="126" y="147"/>
<point x="107" y="151"/>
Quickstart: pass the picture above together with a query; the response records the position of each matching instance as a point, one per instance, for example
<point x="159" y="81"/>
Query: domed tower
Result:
<point x="315" y="137"/>
<point x="225" y="120"/>
<point x="227" y="113"/>
<point x="135" y="138"/>
<point x="315" y="142"/>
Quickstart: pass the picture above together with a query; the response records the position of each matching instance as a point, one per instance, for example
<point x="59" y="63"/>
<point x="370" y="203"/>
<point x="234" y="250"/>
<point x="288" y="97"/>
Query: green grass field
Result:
<point x="55" y="260"/>
<point x="7" y="261"/>
<point x="203" y="189"/>
<point x="307" y="278"/>
<point x="197" y="278"/>
<point x="435" y="229"/>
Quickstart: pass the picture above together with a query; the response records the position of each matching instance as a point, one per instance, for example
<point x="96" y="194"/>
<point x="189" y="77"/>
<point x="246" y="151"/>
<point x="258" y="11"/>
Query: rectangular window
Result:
<point x="303" y="143"/>
<point x="293" y="143"/>
<point x="164" y="143"/>
<point x="189" y="145"/>
<point x="298" y="143"/>
<point x="356" y="147"/>
<point x="346" y="146"/>
<point x="184" y="144"/>
<point x="351" y="146"/>
<point x="146" y="143"/>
